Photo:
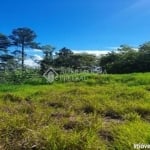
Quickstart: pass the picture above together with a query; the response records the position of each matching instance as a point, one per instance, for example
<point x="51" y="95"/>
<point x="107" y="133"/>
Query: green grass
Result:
<point x="105" y="112"/>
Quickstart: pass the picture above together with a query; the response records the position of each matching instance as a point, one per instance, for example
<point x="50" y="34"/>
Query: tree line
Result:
<point x="123" y="60"/>
<point x="24" y="38"/>
<point x="127" y="59"/>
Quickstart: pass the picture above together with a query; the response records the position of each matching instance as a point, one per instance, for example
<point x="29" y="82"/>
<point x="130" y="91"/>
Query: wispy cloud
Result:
<point x="140" y="7"/>
<point x="140" y="4"/>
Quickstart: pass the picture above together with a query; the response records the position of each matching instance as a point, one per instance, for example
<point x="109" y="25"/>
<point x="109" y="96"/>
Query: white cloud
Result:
<point x="94" y="52"/>
<point x="136" y="49"/>
<point x="30" y="63"/>
<point x="34" y="50"/>
<point x="99" y="52"/>
<point x="37" y="57"/>
<point x="37" y="50"/>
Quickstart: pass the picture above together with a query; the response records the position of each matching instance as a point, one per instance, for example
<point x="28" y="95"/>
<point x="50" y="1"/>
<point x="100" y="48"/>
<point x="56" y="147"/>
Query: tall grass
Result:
<point x="104" y="112"/>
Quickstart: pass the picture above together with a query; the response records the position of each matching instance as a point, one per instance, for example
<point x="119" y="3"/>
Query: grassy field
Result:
<point x="105" y="112"/>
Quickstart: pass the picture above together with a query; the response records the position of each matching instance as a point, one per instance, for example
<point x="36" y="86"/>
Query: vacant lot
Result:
<point x="105" y="112"/>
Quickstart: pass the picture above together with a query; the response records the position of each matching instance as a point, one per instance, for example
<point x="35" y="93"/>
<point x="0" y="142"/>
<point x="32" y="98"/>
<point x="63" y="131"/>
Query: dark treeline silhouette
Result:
<point x="127" y="60"/>
<point x="24" y="38"/>
<point x="124" y="60"/>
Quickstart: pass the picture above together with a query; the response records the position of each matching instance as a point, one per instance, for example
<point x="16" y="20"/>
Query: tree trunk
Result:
<point x="22" y="58"/>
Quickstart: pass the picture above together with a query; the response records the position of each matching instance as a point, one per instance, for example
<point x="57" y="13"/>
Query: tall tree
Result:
<point x="48" y="57"/>
<point x="23" y="38"/>
<point x="82" y="60"/>
<point x="5" y="58"/>
<point x="4" y="42"/>
<point x="145" y="47"/>
<point x="48" y="51"/>
<point x="122" y="61"/>
<point x="144" y="57"/>
<point x="63" y="58"/>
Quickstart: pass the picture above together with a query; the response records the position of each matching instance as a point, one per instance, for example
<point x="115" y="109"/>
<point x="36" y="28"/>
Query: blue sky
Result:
<point x="80" y="24"/>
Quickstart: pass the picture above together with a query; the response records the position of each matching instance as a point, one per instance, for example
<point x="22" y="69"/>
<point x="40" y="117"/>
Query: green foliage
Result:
<point x="30" y="76"/>
<point x="48" y="58"/>
<point x="81" y="60"/>
<point x="4" y="42"/>
<point x="66" y="58"/>
<point x="6" y="59"/>
<point x="127" y="60"/>
<point x="63" y="57"/>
